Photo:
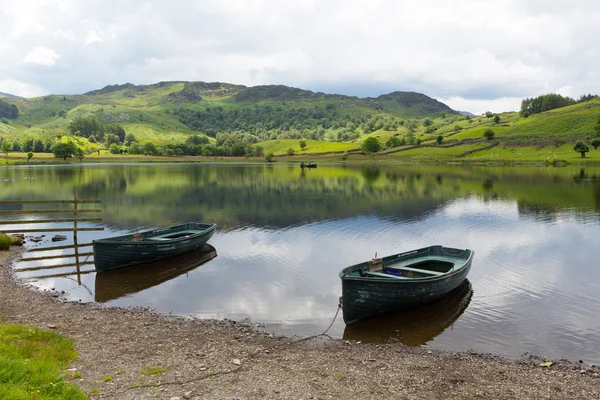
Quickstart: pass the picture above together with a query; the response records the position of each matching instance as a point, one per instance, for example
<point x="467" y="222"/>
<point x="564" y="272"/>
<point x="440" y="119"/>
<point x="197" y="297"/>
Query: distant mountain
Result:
<point x="402" y="104"/>
<point x="8" y="96"/>
<point x="466" y="114"/>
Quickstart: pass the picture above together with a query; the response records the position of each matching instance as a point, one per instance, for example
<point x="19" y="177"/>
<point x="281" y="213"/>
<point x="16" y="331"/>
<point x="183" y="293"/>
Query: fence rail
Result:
<point x="76" y="211"/>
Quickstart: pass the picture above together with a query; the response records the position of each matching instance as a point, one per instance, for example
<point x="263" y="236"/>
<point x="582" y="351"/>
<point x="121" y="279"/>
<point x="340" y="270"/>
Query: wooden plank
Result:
<point x="52" y="266"/>
<point x="382" y="275"/>
<point x="421" y="271"/>
<point x="41" y="230"/>
<point x="51" y="221"/>
<point x="69" y="246"/>
<point x="49" y="201"/>
<point x="60" y="275"/>
<point x="59" y="256"/>
<point x="54" y="211"/>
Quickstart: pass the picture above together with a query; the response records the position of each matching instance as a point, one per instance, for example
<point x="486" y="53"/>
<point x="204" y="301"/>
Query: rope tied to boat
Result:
<point x="340" y="303"/>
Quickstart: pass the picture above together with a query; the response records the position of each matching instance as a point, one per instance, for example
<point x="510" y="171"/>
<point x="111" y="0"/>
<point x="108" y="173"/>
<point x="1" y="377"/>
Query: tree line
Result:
<point x="8" y="110"/>
<point x="546" y="102"/>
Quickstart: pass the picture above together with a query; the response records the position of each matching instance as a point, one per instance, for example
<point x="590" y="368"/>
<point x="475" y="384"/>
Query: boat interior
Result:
<point x="175" y="235"/>
<point x="415" y="268"/>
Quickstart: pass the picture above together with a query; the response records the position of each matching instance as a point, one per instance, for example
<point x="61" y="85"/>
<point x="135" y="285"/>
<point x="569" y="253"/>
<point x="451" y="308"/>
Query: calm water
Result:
<point x="285" y="233"/>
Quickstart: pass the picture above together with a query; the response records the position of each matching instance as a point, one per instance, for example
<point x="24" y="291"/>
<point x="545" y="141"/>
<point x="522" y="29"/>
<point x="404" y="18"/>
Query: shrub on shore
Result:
<point x="4" y="242"/>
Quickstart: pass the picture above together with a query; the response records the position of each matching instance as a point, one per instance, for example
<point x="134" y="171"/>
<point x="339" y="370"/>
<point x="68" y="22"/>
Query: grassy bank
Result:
<point x="32" y="362"/>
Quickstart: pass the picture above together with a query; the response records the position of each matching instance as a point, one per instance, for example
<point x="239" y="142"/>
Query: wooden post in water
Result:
<point x="75" y="237"/>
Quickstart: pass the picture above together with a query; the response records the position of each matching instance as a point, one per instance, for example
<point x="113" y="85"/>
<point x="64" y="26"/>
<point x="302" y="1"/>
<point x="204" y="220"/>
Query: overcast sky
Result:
<point x="474" y="55"/>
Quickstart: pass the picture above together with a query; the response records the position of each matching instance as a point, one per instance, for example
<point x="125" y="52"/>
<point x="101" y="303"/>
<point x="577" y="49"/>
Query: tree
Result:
<point x="29" y="156"/>
<point x="111" y="138"/>
<point x="80" y="154"/>
<point x="489" y="134"/>
<point x="129" y="138"/>
<point x="302" y="144"/>
<point x="63" y="150"/>
<point x="150" y="149"/>
<point x="86" y="127"/>
<point x="427" y="122"/>
<point x="371" y="145"/>
<point x="38" y="146"/>
<point x="28" y="144"/>
<point x="6" y="147"/>
<point x="8" y="110"/>
<point x="595" y="143"/>
<point x="496" y="118"/>
<point x="581" y="147"/>
<point x="291" y="152"/>
<point x="439" y="139"/>
<point x="114" y="149"/>
<point x="269" y="157"/>
<point x="489" y="114"/>
<point x="394" y="141"/>
<point x="259" y="151"/>
<point x="16" y="146"/>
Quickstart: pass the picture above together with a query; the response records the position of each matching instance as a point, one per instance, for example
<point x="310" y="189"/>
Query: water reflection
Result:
<point x="414" y="326"/>
<point x="111" y="285"/>
<point x="284" y="235"/>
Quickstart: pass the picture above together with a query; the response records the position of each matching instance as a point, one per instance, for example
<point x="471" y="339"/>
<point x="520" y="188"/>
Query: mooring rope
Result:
<point x="328" y="328"/>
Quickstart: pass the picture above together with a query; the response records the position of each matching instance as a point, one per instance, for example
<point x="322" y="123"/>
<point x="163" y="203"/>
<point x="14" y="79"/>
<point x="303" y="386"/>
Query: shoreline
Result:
<point x="147" y="354"/>
<point x="337" y="158"/>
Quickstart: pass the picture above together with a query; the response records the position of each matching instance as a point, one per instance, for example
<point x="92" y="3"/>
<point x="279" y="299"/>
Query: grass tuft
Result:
<point x="31" y="364"/>
<point x="153" y="371"/>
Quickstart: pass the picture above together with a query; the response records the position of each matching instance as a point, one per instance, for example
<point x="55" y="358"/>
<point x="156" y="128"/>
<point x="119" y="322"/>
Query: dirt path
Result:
<point x="135" y="354"/>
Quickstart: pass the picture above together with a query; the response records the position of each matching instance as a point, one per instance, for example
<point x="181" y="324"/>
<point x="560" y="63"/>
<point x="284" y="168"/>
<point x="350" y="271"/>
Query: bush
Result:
<point x="269" y="157"/>
<point x="439" y="139"/>
<point x="489" y="134"/>
<point x="4" y="242"/>
<point x="291" y="152"/>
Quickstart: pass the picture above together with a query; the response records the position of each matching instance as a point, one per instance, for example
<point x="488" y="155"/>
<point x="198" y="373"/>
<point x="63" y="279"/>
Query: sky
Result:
<point x="474" y="55"/>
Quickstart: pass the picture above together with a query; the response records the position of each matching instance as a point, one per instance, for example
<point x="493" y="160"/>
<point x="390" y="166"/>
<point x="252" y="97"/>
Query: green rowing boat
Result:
<point x="402" y="280"/>
<point x="158" y="244"/>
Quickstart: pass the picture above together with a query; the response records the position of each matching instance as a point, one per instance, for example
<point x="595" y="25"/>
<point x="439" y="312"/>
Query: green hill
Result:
<point x="222" y="119"/>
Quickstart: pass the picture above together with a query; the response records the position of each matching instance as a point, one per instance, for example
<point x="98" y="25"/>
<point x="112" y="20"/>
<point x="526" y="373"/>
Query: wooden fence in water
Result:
<point x="79" y="215"/>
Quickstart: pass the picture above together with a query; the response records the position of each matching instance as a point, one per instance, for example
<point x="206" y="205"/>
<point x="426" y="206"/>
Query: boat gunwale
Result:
<point x="343" y="275"/>
<point x="114" y="240"/>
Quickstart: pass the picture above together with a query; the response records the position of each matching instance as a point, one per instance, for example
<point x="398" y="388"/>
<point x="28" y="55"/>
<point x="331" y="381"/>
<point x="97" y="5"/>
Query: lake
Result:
<point x="285" y="233"/>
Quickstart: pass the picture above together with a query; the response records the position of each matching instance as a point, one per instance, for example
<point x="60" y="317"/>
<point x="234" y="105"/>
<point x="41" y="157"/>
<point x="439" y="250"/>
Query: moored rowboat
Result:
<point x="402" y="280"/>
<point x="158" y="244"/>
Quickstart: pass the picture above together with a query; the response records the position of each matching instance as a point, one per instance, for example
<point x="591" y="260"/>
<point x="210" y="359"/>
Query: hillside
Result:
<point x="222" y="119"/>
<point x="8" y="96"/>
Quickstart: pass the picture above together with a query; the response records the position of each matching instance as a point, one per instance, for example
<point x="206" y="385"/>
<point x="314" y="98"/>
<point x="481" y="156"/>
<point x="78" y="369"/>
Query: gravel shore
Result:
<point x="138" y="354"/>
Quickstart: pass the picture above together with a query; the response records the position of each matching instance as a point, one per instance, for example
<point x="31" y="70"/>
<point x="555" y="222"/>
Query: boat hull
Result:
<point x="363" y="297"/>
<point x="112" y="254"/>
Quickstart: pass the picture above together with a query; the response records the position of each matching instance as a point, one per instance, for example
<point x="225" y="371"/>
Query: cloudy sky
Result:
<point x="474" y="55"/>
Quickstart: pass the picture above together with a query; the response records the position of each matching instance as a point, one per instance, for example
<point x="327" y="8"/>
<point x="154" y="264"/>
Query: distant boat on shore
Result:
<point x="308" y="165"/>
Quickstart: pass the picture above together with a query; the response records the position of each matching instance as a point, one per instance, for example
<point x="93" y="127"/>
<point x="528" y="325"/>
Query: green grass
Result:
<point x="153" y="371"/>
<point x="436" y="152"/>
<point x="280" y="147"/>
<point x="477" y="133"/>
<point x="32" y="362"/>
<point x="531" y="153"/>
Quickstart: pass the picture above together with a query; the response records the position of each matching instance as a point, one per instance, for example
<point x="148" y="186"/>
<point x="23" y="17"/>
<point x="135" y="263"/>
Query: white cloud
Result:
<point x="479" y="106"/>
<point x="21" y="88"/>
<point x="41" y="56"/>
<point x="486" y="53"/>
